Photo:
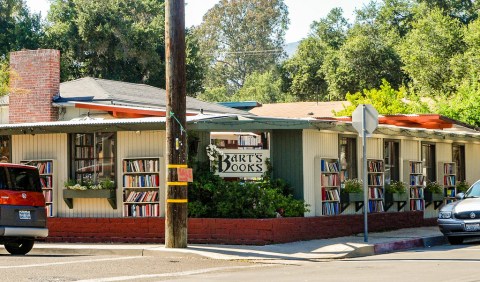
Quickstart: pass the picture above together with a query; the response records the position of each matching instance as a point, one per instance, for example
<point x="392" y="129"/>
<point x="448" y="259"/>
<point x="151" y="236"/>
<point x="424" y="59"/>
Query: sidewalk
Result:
<point x="335" y="248"/>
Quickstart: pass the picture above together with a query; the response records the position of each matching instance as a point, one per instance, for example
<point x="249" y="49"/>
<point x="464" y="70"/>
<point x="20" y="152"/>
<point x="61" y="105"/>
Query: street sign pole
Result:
<point x="365" y="188"/>
<point x="365" y="121"/>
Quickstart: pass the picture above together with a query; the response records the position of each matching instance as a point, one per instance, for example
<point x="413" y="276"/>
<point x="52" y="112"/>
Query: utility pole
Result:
<point x="176" y="194"/>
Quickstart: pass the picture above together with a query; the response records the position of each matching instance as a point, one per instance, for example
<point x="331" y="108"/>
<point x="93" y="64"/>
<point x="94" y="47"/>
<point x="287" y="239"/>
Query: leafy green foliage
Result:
<point x="211" y="196"/>
<point x="427" y="50"/>
<point x="352" y="186"/>
<point x="120" y="40"/>
<point x="396" y="187"/>
<point x="241" y="37"/>
<point x="19" y="29"/>
<point x="263" y="88"/>
<point x="385" y="100"/>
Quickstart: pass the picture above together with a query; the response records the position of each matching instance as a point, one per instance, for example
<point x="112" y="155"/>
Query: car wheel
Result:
<point x="455" y="240"/>
<point x="21" y="247"/>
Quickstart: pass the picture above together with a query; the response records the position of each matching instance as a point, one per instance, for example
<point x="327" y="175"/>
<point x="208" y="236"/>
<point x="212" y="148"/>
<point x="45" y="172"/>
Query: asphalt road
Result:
<point x="441" y="263"/>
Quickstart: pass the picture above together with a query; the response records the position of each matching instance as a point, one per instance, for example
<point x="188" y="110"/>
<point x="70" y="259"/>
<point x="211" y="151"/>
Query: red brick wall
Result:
<point x="35" y="79"/>
<point x="228" y="231"/>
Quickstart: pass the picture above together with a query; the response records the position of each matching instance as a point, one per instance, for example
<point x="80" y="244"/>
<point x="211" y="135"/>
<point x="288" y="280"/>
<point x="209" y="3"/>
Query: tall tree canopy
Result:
<point x="240" y="37"/>
<point x="19" y="29"/>
<point x="115" y="39"/>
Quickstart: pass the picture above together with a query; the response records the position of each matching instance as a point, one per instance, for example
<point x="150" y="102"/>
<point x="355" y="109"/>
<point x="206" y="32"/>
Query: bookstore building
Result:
<point x="113" y="134"/>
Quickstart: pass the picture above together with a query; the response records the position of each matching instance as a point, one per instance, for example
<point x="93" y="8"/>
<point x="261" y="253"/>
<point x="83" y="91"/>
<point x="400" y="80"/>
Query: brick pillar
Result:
<point x="34" y="80"/>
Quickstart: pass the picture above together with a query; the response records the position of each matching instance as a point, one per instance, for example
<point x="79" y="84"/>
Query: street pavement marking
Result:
<point x="65" y="262"/>
<point x="173" y="274"/>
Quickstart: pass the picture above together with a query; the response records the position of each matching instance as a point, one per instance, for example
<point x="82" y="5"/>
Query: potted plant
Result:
<point x="352" y="191"/>
<point x="396" y="191"/>
<point x="462" y="186"/>
<point x="433" y="192"/>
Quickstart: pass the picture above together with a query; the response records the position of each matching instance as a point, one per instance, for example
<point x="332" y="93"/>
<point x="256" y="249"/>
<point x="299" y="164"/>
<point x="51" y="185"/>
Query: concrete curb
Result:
<point x="402" y="245"/>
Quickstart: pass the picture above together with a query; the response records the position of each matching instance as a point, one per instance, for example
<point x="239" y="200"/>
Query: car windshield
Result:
<point x="19" y="179"/>
<point x="473" y="191"/>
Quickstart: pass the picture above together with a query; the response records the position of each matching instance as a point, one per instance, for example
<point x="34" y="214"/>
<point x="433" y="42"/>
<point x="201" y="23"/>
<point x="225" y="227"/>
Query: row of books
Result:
<point x="330" y="208"/>
<point x="141" y="180"/>
<point x="375" y="192"/>
<point x="416" y="193"/>
<point x="141" y="210"/>
<point x="375" y="206"/>
<point x="330" y="180"/>
<point x="330" y="195"/>
<point x="417" y="180"/>
<point x="329" y="166"/>
<point x="375" y="179"/>
<point x="45" y="167"/>
<point x="84" y="139"/>
<point x="47" y="194"/>
<point x="449" y="180"/>
<point x="415" y="168"/>
<point x="46" y="181"/>
<point x="84" y="152"/>
<point x="49" y="210"/>
<point x="417" y="205"/>
<point x="449" y="168"/>
<point x="144" y="165"/>
<point x="375" y="166"/>
<point x="449" y="192"/>
<point x="145" y="196"/>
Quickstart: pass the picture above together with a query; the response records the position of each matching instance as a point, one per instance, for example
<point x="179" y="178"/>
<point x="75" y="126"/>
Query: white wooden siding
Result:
<point x="316" y="144"/>
<point x="472" y="162"/>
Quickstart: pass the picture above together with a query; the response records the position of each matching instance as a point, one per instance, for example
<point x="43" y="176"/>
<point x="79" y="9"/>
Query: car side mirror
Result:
<point x="460" y="196"/>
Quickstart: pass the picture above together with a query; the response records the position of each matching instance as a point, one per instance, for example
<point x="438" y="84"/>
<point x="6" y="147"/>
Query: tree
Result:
<point x="385" y="100"/>
<point x="362" y="62"/>
<point x="4" y="77"/>
<point x="240" y="37"/>
<point x="19" y="29"/>
<point x="463" y="10"/>
<point x="263" y="88"/>
<point x="428" y="49"/>
<point x="115" y="39"/>
<point x="303" y="72"/>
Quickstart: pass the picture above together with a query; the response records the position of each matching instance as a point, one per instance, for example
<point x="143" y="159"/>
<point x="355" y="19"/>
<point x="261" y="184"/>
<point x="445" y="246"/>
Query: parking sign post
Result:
<point x="365" y="121"/>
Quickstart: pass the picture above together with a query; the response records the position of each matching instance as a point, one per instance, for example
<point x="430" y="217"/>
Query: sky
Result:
<point x="301" y="12"/>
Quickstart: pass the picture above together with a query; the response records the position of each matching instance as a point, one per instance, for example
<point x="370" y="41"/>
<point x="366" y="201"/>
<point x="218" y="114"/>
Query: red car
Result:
<point x="23" y="216"/>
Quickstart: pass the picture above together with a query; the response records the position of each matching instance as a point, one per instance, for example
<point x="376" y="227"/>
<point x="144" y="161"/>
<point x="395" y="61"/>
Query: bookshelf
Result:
<point x="141" y="183"/>
<point x="447" y="178"/>
<point x="327" y="188"/>
<point x="376" y="191"/>
<point x="414" y="177"/>
<point x="46" y="169"/>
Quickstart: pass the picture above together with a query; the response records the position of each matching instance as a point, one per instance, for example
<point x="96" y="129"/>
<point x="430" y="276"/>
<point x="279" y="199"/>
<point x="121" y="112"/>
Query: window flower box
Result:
<point x="109" y="194"/>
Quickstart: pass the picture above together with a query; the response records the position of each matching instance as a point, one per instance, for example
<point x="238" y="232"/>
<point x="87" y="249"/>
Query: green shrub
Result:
<point x="212" y="197"/>
<point x="434" y="187"/>
<point x="462" y="186"/>
<point x="353" y="186"/>
<point x="396" y="187"/>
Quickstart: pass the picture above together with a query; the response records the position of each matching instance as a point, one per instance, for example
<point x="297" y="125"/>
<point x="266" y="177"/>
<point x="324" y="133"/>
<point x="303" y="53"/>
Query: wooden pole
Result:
<point x="176" y="194"/>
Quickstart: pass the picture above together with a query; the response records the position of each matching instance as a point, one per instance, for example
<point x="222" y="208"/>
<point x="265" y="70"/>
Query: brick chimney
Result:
<point x="34" y="80"/>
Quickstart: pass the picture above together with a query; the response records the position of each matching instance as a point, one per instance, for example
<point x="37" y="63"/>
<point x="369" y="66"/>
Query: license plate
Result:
<point x="472" y="226"/>
<point x="24" y="215"/>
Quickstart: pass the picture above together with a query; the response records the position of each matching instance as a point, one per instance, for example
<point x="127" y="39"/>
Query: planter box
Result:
<point x="396" y="197"/>
<point x="110" y="195"/>
<point x="433" y="197"/>
<point x="351" y="197"/>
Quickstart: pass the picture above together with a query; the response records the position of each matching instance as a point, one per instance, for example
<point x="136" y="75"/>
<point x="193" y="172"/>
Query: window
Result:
<point x="429" y="161"/>
<point x="391" y="154"/>
<point x="348" y="157"/>
<point x="458" y="156"/>
<point x="5" y="148"/>
<point x="93" y="156"/>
